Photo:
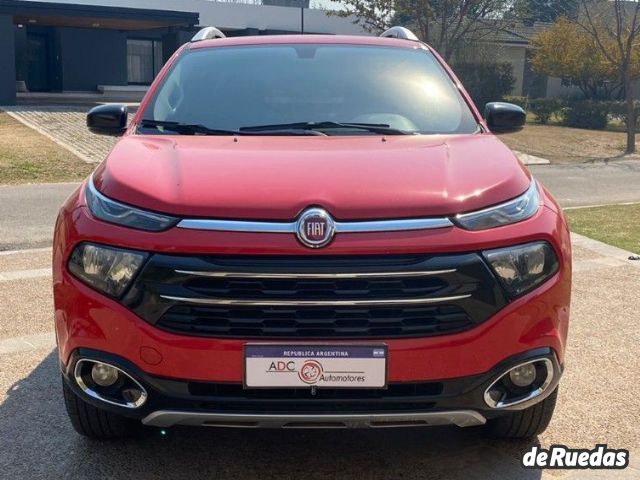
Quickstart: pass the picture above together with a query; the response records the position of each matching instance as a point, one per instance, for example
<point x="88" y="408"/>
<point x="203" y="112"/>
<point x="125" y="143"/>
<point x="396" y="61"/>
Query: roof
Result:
<point x="307" y="39"/>
<point x="512" y="32"/>
<point x="55" y="12"/>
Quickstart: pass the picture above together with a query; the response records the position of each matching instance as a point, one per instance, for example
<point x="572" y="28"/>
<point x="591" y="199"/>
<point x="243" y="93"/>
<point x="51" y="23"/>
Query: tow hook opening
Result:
<point x="521" y="383"/>
<point x="108" y="383"/>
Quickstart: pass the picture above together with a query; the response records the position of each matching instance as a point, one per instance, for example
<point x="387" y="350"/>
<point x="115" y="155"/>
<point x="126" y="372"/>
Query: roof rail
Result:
<point x="207" y="33"/>
<point x="400" y="32"/>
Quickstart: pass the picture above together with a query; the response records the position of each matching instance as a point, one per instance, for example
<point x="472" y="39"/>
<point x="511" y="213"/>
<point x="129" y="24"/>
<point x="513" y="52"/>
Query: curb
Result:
<point x="25" y="251"/>
<point x="604" y="249"/>
<point x="531" y="159"/>
<point x="601" y="205"/>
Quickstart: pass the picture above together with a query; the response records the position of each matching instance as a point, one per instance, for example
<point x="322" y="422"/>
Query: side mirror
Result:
<point x="504" y="117"/>
<point x="110" y="119"/>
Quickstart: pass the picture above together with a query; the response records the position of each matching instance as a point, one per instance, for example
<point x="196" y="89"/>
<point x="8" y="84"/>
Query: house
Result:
<point x="510" y="42"/>
<point x="119" y="45"/>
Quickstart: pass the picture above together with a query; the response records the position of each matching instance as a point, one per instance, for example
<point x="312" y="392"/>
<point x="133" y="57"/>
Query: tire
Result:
<point x="524" y="424"/>
<point x="94" y="423"/>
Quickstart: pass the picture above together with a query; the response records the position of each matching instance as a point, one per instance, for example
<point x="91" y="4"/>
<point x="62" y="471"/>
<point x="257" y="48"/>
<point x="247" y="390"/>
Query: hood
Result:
<point x="275" y="178"/>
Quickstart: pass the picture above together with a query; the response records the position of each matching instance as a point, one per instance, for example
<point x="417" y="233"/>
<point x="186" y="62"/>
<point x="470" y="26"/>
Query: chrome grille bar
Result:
<point x="291" y="227"/>
<point x="294" y="276"/>
<point x="393" y="225"/>
<point x="313" y="303"/>
<point x="237" y="226"/>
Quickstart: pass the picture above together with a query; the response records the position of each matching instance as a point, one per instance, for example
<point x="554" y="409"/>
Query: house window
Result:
<point x="144" y="60"/>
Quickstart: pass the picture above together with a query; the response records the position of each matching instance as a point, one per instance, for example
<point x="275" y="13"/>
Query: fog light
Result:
<point x="104" y="375"/>
<point x="109" y="383"/>
<point x="521" y="384"/>
<point x="523" y="376"/>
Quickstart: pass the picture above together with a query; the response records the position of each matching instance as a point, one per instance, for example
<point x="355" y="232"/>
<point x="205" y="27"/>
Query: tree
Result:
<point x="486" y="81"/>
<point x="531" y="11"/>
<point x="445" y="24"/>
<point x="567" y="51"/>
<point x="614" y="25"/>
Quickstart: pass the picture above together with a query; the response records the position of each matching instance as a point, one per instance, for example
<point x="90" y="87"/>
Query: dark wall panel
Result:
<point x="174" y="40"/>
<point x="7" y="61"/>
<point x="92" y="57"/>
<point x="21" y="52"/>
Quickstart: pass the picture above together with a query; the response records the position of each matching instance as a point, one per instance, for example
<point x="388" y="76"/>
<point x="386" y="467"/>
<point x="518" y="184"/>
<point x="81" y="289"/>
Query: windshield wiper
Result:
<point x="186" y="128"/>
<point x="315" y="126"/>
<point x="198" y="129"/>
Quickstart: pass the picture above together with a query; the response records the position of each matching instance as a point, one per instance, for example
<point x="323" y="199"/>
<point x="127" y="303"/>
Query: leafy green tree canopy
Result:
<point x="567" y="51"/>
<point x="445" y="24"/>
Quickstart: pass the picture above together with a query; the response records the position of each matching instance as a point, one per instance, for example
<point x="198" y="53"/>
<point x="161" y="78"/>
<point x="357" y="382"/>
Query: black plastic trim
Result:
<point x="465" y="274"/>
<point x="437" y="395"/>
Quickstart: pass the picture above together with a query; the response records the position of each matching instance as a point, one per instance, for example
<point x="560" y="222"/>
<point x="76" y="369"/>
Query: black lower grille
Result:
<point x="397" y="397"/>
<point x="316" y="297"/>
<point x="315" y="322"/>
<point x="235" y="391"/>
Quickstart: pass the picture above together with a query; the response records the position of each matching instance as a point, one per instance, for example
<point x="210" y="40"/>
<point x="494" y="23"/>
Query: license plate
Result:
<point x="300" y="366"/>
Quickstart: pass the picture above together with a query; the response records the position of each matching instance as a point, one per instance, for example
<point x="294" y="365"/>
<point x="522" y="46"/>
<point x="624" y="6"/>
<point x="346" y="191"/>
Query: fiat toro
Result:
<point x="310" y="231"/>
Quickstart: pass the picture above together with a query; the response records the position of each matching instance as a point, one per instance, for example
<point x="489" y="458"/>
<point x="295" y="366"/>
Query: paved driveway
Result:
<point x="599" y="403"/>
<point x="592" y="184"/>
<point x="67" y="127"/>
<point x="28" y="213"/>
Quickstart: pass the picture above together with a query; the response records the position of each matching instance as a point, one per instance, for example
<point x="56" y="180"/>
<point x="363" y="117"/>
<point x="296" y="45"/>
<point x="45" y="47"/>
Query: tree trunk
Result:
<point x="631" y="112"/>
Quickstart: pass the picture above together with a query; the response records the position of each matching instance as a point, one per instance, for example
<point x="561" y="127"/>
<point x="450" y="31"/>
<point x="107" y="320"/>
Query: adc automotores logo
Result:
<point x="310" y="372"/>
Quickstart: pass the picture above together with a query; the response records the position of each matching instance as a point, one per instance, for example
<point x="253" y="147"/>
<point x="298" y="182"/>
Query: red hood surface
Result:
<point x="275" y="178"/>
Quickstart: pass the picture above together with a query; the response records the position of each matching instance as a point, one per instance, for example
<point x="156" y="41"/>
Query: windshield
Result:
<point x="359" y="89"/>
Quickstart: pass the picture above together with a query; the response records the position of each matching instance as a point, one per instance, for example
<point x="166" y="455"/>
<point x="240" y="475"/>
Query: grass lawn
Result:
<point x="616" y="225"/>
<point x="29" y="157"/>
<point x="567" y="145"/>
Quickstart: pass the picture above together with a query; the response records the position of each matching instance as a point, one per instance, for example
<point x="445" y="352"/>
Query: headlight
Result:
<point x="114" y="212"/>
<point x="109" y="270"/>
<point x="513" y="211"/>
<point x="523" y="267"/>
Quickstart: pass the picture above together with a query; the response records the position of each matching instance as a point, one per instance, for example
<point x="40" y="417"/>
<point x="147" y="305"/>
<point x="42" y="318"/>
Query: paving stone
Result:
<point x="65" y="125"/>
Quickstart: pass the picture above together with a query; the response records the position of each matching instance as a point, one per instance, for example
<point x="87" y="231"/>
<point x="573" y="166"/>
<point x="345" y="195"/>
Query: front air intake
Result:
<point x="315" y="297"/>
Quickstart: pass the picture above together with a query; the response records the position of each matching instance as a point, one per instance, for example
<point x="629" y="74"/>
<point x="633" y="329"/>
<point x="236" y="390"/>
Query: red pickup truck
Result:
<point x="310" y="231"/>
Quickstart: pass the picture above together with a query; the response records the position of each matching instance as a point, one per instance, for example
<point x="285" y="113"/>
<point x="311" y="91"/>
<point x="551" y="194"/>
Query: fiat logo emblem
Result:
<point x="315" y="228"/>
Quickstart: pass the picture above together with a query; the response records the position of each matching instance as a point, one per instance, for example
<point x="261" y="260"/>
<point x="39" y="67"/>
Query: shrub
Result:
<point x="587" y="114"/>
<point x="618" y="110"/>
<point x="486" y="82"/>
<point x="522" y="102"/>
<point x="544" y="108"/>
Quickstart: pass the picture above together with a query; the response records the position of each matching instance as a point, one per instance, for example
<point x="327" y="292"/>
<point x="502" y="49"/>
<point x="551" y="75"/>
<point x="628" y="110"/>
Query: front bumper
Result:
<point x="172" y="402"/>
<point x="86" y="319"/>
<point x="88" y="323"/>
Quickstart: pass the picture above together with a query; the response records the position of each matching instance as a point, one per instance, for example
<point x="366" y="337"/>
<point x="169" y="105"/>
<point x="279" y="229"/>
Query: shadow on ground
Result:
<point x="36" y="441"/>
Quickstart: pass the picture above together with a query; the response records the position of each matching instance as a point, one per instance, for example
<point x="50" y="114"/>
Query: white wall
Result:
<point x="239" y="16"/>
<point x="555" y="89"/>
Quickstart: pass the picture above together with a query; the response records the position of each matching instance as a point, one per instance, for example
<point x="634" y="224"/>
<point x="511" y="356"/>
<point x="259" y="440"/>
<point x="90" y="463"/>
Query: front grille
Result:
<point x="235" y="390"/>
<point x="316" y="297"/>
<point x="315" y="323"/>
<point x="231" y="397"/>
